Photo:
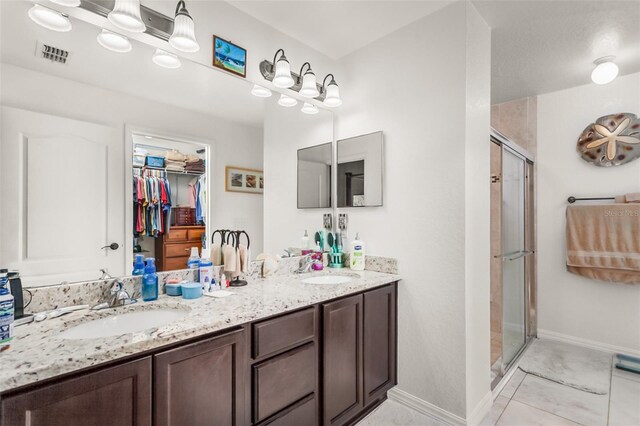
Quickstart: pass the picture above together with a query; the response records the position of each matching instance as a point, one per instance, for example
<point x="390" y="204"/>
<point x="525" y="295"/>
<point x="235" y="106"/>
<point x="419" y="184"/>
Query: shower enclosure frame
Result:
<point x="501" y="368"/>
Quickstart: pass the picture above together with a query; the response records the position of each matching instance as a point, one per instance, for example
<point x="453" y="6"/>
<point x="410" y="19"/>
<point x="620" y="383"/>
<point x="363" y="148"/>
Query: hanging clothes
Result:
<point x="198" y="197"/>
<point x="151" y="203"/>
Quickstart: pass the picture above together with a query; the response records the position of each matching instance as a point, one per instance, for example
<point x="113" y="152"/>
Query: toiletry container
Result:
<point x="191" y="290"/>
<point x="304" y="243"/>
<point x="6" y="310"/>
<point x="357" y="256"/>
<point x="194" y="261"/>
<point x="173" y="289"/>
<point x="206" y="274"/>
<point x="138" y="265"/>
<point x="150" y="281"/>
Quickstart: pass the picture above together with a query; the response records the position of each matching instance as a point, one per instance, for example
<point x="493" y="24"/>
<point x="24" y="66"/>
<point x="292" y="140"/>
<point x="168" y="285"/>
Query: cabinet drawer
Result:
<point x="304" y="413"/>
<point x="283" y="380"/>
<point x="283" y="332"/>
<point x="174" y="263"/>
<point x="180" y="250"/>
<point x="194" y="234"/>
<point x="177" y="235"/>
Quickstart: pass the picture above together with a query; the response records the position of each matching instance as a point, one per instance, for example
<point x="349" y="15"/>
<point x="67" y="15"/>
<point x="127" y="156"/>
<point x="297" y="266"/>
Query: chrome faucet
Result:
<point x="117" y="297"/>
<point x="305" y="264"/>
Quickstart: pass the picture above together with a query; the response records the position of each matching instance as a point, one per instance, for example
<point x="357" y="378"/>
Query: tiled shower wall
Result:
<point x="518" y="120"/>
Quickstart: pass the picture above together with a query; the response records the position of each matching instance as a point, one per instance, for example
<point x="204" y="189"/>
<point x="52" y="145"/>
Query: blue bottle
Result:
<point x="150" y="281"/>
<point x="7" y="309"/>
<point x="138" y="265"/>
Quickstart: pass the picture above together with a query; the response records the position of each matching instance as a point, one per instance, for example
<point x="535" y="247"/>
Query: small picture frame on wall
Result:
<point x="229" y="57"/>
<point x="239" y="179"/>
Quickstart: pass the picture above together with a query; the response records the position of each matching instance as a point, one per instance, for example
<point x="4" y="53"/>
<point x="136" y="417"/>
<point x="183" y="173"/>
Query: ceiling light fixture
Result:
<point x="308" y="108"/>
<point x="309" y="87"/>
<point x="287" y="101"/>
<point x="49" y="18"/>
<point x="184" y="36"/>
<point x="332" y="91"/>
<point x="260" y="91"/>
<point x="126" y="15"/>
<point x="114" y="42"/>
<point x="166" y="59"/>
<point x="282" y="77"/>
<point x="605" y="71"/>
<point x="68" y="3"/>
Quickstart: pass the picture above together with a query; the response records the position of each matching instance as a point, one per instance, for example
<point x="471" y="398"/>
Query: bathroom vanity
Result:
<point x="326" y="354"/>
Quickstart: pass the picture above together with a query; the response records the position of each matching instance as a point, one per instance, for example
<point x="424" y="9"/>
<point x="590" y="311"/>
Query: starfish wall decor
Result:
<point x="612" y="140"/>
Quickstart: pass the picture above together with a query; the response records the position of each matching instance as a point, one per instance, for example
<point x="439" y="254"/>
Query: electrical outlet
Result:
<point x="327" y="220"/>
<point x="342" y="221"/>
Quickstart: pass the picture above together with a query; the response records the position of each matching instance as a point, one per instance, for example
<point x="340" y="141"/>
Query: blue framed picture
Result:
<point x="229" y="57"/>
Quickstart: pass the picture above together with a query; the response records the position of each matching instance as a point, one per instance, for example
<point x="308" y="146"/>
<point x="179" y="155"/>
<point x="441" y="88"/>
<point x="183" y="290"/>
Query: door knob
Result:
<point x="112" y="246"/>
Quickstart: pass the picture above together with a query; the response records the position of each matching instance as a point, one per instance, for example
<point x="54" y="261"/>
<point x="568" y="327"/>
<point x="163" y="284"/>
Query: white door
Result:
<point x="61" y="195"/>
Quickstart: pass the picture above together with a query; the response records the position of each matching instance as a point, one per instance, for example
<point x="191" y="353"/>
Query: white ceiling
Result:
<point x="337" y="28"/>
<point x="193" y="86"/>
<point x="543" y="46"/>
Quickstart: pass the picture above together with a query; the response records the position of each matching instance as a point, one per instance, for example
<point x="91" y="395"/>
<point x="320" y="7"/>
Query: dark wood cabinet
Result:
<point x="119" y="395"/>
<point x="201" y="383"/>
<point x="380" y="340"/>
<point x="330" y="364"/>
<point x="342" y="360"/>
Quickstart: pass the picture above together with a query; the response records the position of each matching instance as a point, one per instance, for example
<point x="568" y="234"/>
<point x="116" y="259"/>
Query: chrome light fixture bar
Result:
<point x="268" y="71"/>
<point x="158" y="25"/>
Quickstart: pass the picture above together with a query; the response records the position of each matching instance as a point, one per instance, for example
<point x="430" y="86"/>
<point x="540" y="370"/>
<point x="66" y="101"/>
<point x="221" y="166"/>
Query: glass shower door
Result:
<point x="514" y="254"/>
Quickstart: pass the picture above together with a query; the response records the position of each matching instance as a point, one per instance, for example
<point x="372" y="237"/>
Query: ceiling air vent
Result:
<point x="51" y="53"/>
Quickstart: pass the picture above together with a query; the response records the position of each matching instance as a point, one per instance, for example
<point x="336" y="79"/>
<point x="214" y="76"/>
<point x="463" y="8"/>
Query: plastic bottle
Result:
<point x="7" y="310"/>
<point x="304" y="242"/>
<point x="150" y="281"/>
<point x="194" y="261"/>
<point x="357" y="256"/>
<point x="138" y="265"/>
<point x="206" y="274"/>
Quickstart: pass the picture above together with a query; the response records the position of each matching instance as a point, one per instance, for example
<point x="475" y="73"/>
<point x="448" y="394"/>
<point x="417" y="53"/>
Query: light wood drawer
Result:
<point x="283" y="380"/>
<point x="194" y="234"/>
<point x="283" y="332"/>
<point x="173" y="263"/>
<point x="177" y="235"/>
<point x="179" y="250"/>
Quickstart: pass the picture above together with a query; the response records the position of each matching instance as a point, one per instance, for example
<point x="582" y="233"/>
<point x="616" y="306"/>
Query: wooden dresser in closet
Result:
<point x="173" y="249"/>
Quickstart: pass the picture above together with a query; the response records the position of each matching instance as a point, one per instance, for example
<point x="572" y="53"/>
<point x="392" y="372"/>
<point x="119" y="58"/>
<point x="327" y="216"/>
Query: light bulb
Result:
<point x="282" y="78"/>
<point x="308" y="108"/>
<point x="126" y="15"/>
<point x="605" y="71"/>
<point x="166" y="59"/>
<point x="183" y="37"/>
<point x="287" y="101"/>
<point x="260" y="91"/>
<point x="333" y="96"/>
<point x="309" y="86"/>
<point x="49" y="18"/>
<point x="114" y="42"/>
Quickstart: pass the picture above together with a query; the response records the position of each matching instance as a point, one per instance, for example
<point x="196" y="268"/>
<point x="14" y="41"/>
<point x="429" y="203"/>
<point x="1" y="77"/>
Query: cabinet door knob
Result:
<point x="112" y="246"/>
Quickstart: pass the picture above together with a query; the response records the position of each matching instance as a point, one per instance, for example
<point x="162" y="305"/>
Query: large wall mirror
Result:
<point x="77" y="135"/>
<point x="360" y="166"/>
<point x="314" y="176"/>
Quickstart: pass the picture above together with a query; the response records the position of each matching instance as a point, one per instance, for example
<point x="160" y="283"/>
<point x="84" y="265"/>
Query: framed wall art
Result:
<point x="229" y="57"/>
<point x="239" y="179"/>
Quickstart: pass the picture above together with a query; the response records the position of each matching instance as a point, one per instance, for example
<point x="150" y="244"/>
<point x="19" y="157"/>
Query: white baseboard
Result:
<point x="433" y="411"/>
<point x="552" y="335"/>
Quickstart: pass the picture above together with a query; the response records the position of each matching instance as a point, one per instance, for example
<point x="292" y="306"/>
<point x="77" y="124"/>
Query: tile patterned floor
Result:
<point x="528" y="400"/>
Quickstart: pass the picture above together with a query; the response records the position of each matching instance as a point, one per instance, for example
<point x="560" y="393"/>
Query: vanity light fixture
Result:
<point x="309" y="87"/>
<point x="287" y="101"/>
<point x="114" y="42"/>
<point x="308" y="108"/>
<point x="282" y="78"/>
<point x="332" y="98"/>
<point x="605" y="71"/>
<point x="68" y="3"/>
<point x="49" y="18"/>
<point x="166" y="59"/>
<point x="126" y="15"/>
<point x="184" y="36"/>
<point x="260" y="91"/>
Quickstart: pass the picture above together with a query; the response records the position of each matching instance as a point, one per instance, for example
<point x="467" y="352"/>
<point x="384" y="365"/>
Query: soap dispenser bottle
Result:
<point x="357" y="256"/>
<point x="150" y="281"/>
<point x="304" y="243"/>
<point x="138" y="265"/>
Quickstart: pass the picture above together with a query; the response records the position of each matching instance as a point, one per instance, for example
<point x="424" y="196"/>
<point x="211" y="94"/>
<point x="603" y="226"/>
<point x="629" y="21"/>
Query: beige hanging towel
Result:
<point x="229" y="254"/>
<point x="603" y="242"/>
<point x="216" y="255"/>
<point x="244" y="258"/>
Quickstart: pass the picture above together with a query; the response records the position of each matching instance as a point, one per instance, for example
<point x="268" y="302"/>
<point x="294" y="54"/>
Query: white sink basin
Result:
<point x="116" y="325"/>
<point x="327" y="279"/>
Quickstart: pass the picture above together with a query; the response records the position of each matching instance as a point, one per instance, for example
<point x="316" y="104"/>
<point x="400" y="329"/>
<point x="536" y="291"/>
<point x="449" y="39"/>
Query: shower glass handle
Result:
<point x="514" y="256"/>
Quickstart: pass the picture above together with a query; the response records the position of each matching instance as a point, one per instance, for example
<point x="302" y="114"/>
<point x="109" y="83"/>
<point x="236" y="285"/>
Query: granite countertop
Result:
<point x="37" y="351"/>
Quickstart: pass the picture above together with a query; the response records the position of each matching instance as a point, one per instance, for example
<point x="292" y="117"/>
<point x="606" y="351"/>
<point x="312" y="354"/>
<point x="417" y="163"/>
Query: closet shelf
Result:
<point x="173" y="172"/>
